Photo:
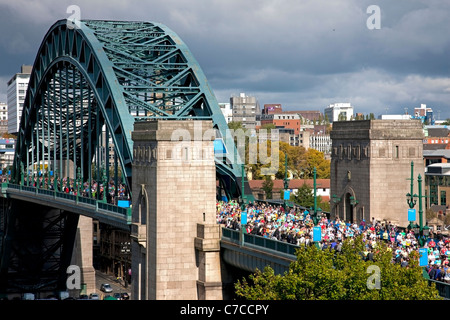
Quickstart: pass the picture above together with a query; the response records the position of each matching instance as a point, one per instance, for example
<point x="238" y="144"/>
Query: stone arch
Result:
<point x="348" y="210"/>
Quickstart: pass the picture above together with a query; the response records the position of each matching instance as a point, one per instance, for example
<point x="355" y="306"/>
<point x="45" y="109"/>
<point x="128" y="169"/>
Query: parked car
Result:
<point x="106" y="287"/>
<point x="125" y="296"/>
<point x="94" y="296"/>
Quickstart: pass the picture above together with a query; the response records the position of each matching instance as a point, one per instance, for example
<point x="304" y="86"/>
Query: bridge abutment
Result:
<point x="176" y="251"/>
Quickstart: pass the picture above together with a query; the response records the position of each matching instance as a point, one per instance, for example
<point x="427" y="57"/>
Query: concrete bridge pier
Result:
<point x="175" y="249"/>
<point x="83" y="254"/>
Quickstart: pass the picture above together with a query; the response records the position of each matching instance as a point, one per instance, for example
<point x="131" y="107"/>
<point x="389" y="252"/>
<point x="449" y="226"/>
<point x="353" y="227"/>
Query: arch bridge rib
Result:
<point x="91" y="81"/>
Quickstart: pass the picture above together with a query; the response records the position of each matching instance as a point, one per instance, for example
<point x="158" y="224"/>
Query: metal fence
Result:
<point x="125" y="211"/>
<point x="258" y="241"/>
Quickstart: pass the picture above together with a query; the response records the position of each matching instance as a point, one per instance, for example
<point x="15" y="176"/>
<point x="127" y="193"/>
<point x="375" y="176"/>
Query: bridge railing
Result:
<point x="264" y="243"/>
<point x="442" y="287"/>
<point x="98" y="204"/>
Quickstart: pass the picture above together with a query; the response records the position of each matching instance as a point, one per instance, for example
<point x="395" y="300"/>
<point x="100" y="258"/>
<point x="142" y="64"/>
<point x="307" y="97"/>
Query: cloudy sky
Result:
<point x="304" y="54"/>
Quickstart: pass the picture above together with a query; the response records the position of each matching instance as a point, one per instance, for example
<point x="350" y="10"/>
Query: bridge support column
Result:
<point x="83" y="254"/>
<point x="175" y="246"/>
<point x="207" y="242"/>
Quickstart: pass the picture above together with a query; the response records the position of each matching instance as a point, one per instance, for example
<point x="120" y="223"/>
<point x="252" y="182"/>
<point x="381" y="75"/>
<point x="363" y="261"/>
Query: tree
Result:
<point x="267" y="187"/>
<point x="304" y="196"/>
<point x="328" y="275"/>
<point x="235" y="125"/>
<point x="316" y="159"/>
<point x="446" y="122"/>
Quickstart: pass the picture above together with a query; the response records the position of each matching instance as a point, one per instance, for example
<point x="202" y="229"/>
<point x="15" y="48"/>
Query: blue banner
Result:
<point x="123" y="203"/>
<point x="423" y="260"/>
<point x="244" y="218"/>
<point x="317" y="234"/>
<point x="411" y="214"/>
<point x="287" y="194"/>
<point x="219" y="146"/>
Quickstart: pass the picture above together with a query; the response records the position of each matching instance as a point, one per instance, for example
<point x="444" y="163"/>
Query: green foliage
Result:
<point x="267" y="187"/>
<point x="316" y="159"/>
<point x="327" y="275"/>
<point x="446" y="122"/>
<point x="305" y="197"/>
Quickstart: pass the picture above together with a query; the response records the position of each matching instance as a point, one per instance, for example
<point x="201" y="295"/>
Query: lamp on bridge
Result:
<point x="336" y="201"/>
<point x="353" y="201"/>
<point x="317" y="210"/>
<point x="420" y="231"/>
<point x="286" y="183"/>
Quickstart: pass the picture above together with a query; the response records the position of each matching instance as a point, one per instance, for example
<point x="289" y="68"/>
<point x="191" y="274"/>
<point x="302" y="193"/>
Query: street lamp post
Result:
<point x="336" y="201"/>
<point x="421" y="230"/>
<point x="243" y="196"/>
<point x="286" y="182"/>
<point x="316" y="209"/>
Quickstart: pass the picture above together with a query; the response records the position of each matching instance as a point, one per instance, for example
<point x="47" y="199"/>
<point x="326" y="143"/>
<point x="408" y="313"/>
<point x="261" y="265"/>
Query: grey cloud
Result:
<point x="298" y="53"/>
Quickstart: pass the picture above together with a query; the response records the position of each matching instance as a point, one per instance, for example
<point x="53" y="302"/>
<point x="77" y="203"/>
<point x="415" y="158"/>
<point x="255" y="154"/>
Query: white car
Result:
<point x="105" y="287"/>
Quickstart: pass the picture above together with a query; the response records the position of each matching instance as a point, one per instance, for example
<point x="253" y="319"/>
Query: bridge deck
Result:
<point x="104" y="212"/>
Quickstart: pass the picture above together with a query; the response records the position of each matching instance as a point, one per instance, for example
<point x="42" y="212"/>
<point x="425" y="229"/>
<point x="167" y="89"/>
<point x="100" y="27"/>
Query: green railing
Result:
<point x="258" y="241"/>
<point x="97" y="204"/>
<point x="442" y="287"/>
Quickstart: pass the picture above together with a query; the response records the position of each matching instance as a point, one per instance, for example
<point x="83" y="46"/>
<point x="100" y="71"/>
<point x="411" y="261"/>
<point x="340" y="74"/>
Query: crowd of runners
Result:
<point x="295" y="226"/>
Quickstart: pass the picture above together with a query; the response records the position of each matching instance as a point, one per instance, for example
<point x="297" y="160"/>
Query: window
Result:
<point x="396" y="155"/>
<point x="443" y="198"/>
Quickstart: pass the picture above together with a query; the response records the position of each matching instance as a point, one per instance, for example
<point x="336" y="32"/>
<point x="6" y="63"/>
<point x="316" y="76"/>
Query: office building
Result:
<point x="339" y="112"/>
<point x="245" y="109"/>
<point x="226" y="111"/>
<point x="16" y="92"/>
<point x="3" y="117"/>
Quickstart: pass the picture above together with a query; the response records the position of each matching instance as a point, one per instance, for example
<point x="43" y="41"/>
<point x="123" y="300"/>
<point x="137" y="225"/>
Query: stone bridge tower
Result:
<point x="371" y="168"/>
<point x="176" y="248"/>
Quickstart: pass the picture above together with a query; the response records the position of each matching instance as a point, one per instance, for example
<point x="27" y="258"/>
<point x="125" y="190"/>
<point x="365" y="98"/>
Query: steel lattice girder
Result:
<point x="116" y="72"/>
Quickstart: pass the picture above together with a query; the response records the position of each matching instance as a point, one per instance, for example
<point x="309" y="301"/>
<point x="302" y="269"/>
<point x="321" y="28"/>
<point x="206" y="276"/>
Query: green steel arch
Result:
<point x="91" y="81"/>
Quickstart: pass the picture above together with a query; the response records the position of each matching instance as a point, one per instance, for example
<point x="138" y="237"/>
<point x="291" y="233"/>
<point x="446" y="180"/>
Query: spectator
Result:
<point x="446" y="277"/>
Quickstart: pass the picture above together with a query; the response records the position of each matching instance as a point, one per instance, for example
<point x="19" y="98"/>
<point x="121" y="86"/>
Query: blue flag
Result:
<point x="411" y="214"/>
<point x="423" y="260"/>
<point x="317" y="234"/>
<point x="244" y="218"/>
